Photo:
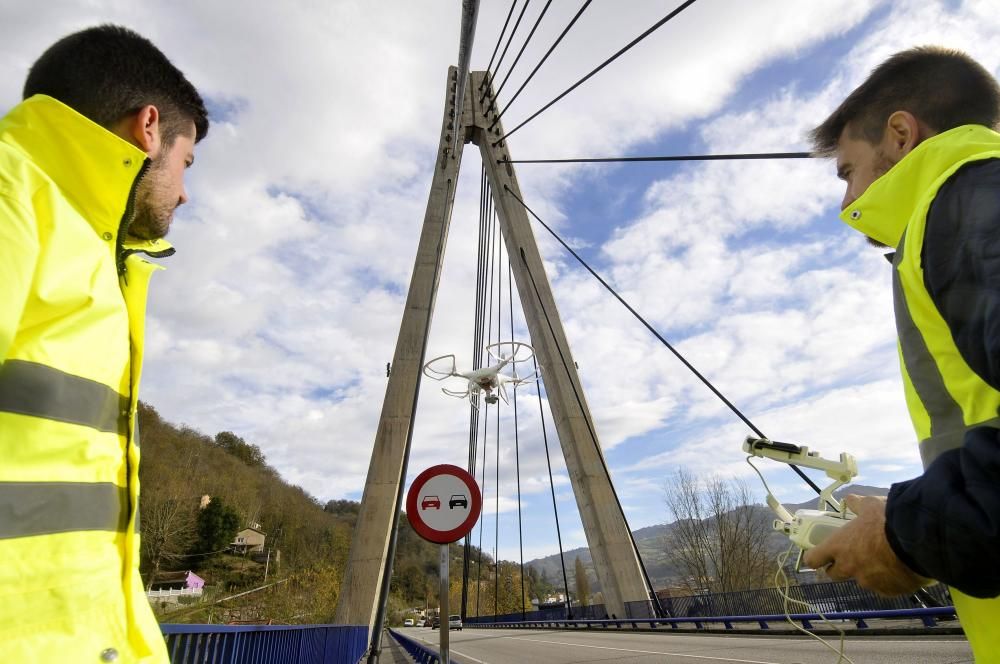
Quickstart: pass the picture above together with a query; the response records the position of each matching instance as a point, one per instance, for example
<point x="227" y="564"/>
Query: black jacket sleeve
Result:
<point x="945" y="524"/>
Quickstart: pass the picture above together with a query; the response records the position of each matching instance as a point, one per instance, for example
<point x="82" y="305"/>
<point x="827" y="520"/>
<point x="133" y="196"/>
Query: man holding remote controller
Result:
<point x="916" y="145"/>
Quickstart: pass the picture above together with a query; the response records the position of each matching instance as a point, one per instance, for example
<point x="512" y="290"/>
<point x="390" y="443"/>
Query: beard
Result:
<point x="154" y="206"/>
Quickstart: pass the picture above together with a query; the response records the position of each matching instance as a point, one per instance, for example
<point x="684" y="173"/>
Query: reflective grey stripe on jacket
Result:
<point x="30" y="388"/>
<point x="948" y="426"/>
<point x="45" y="508"/>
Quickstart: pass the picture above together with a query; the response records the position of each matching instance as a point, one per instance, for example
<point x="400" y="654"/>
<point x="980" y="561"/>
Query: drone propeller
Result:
<point x="510" y="351"/>
<point x="441" y="368"/>
<point x="456" y="393"/>
<point x="516" y="380"/>
<point x="502" y="391"/>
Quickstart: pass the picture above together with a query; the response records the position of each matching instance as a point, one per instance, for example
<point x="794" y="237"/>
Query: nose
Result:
<point x="183" y="197"/>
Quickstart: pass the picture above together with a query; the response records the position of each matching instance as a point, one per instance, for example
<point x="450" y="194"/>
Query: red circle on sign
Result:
<point x="424" y="529"/>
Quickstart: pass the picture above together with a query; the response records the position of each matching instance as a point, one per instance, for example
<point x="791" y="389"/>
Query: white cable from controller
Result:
<point x="783" y="588"/>
<point x="784" y="584"/>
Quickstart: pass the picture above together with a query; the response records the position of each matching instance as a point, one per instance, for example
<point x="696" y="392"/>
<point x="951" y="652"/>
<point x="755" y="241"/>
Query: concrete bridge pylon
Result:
<point x="614" y="554"/>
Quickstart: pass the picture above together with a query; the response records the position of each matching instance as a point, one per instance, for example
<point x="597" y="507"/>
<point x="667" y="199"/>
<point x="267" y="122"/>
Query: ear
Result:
<point x="142" y="129"/>
<point x="903" y="132"/>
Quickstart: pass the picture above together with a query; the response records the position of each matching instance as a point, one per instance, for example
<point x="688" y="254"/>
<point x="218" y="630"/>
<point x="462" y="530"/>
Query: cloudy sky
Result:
<point x="277" y="315"/>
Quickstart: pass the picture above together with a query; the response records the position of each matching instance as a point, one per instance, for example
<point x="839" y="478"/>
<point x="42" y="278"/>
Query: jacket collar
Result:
<point x="93" y="167"/>
<point x="887" y="206"/>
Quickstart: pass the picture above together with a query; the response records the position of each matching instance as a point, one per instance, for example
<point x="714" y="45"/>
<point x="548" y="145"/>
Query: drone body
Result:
<point x="489" y="380"/>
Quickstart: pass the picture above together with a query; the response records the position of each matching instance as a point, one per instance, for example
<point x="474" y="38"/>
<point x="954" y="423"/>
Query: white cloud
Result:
<point x="277" y="315"/>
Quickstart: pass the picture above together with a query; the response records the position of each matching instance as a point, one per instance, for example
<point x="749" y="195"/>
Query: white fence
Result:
<point x="184" y="592"/>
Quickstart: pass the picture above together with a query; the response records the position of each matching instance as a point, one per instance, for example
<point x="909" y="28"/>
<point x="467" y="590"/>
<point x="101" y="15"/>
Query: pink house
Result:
<point x="177" y="581"/>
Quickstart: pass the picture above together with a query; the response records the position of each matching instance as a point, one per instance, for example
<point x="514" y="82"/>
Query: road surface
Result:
<point x="497" y="646"/>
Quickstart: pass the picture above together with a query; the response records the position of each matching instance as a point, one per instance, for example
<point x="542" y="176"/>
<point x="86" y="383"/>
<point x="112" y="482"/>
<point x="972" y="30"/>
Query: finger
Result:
<point x="818" y="557"/>
<point x="835" y="573"/>
<point x="853" y="502"/>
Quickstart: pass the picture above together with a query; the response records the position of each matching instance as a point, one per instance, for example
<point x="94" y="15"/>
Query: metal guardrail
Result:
<point x="265" y="644"/>
<point x="420" y="653"/>
<point x="927" y="615"/>
<point x="828" y="597"/>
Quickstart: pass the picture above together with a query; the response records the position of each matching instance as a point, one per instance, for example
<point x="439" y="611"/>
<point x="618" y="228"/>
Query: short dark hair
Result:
<point x="107" y="72"/>
<point x="942" y="87"/>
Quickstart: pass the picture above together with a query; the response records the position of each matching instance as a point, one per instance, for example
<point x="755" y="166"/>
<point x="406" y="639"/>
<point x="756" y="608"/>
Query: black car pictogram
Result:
<point x="456" y="500"/>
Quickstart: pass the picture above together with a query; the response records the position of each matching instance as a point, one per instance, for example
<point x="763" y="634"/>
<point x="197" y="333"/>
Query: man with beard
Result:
<point x="91" y="169"/>
<point x="916" y="145"/>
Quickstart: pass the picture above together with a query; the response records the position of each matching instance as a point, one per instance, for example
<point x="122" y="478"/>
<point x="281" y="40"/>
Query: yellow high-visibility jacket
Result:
<point x="946" y="398"/>
<point x="72" y="309"/>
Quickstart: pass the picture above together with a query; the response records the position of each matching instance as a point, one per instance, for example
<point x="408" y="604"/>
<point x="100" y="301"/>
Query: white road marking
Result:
<point x="646" y="652"/>
<point x="452" y="650"/>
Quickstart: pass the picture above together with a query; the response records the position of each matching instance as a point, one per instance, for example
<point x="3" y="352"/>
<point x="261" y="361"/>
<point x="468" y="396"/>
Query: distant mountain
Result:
<point x="652" y="541"/>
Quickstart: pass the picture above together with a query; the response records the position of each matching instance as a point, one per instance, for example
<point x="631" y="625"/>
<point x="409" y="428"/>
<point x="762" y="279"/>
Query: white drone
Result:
<point x="487" y="379"/>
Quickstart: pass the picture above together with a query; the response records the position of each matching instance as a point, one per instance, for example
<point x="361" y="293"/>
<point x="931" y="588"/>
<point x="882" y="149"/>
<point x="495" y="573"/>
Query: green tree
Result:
<point x="246" y="452"/>
<point x="216" y="526"/>
<point x="582" y="583"/>
<point x="350" y="507"/>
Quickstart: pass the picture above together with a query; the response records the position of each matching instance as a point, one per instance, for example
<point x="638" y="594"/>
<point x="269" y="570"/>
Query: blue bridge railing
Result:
<point x="926" y="615"/>
<point x="265" y="644"/>
<point x="420" y="653"/>
<point x="827" y="597"/>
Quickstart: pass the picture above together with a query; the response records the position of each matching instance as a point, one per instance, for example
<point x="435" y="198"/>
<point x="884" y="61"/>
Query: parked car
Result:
<point x="455" y="622"/>
<point x="430" y="501"/>
<point x="421" y="622"/>
<point x="436" y="623"/>
<point x="408" y="622"/>
<point x="456" y="500"/>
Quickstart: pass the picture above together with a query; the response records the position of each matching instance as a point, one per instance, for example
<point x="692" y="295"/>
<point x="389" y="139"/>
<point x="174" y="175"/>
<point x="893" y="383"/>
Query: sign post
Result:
<point x="443" y="609"/>
<point x="443" y="505"/>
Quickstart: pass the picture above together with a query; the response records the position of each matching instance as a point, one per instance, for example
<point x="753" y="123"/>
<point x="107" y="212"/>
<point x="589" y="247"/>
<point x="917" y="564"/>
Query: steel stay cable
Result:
<point x="488" y="256"/>
<point x="479" y="561"/>
<point x="517" y="452"/>
<point x="518" y="58"/>
<point x="604" y="64"/>
<point x="593" y="437"/>
<point x="496" y="535"/>
<point x="473" y="415"/>
<point x="466" y="550"/>
<point x="503" y="30"/>
<point x="486" y="414"/>
<point x="666" y="343"/>
<point x="477" y="361"/>
<point x="510" y="39"/>
<point x="552" y="487"/>
<point x="687" y="157"/>
<point x="538" y="66"/>
<point x="496" y="48"/>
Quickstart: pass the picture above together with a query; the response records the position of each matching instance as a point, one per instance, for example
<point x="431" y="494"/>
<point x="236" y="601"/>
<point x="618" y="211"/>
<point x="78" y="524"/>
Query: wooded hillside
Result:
<point x="307" y="541"/>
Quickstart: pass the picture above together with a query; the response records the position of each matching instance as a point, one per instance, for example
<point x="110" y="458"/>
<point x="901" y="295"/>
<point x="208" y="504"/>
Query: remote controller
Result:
<point x="807" y="527"/>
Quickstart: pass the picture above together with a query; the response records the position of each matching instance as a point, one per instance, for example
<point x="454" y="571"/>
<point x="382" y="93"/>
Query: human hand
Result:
<point x="859" y="550"/>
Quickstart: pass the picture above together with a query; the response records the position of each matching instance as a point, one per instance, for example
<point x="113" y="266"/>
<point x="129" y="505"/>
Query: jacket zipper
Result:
<point x="120" y="256"/>
<point x="129" y="213"/>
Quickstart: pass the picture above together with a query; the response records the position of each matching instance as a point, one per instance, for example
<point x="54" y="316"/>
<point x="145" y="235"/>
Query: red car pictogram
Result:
<point x="430" y="501"/>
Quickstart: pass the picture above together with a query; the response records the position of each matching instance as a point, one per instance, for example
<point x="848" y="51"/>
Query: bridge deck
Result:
<point x="561" y="647"/>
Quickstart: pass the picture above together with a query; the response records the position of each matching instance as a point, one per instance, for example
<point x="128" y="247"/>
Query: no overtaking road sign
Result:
<point x="443" y="504"/>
